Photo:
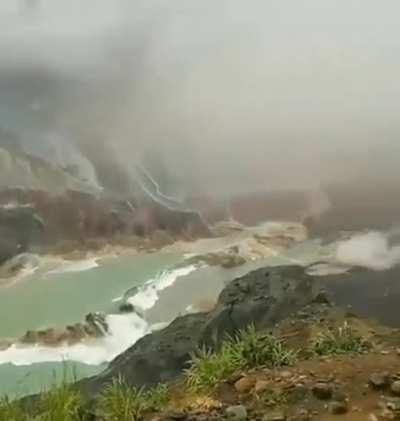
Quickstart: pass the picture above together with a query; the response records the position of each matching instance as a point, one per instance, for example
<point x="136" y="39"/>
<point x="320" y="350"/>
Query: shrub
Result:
<point x="339" y="341"/>
<point x="248" y="349"/>
<point x="257" y="350"/>
<point x="156" y="398"/>
<point x="120" y="402"/>
<point x="61" y="403"/>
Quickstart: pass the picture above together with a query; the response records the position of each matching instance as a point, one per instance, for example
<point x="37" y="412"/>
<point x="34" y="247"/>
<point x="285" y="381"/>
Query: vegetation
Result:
<point x="11" y="411"/>
<point x="247" y="350"/>
<point x="61" y="403"/>
<point x="120" y="402"/>
<point x="339" y="341"/>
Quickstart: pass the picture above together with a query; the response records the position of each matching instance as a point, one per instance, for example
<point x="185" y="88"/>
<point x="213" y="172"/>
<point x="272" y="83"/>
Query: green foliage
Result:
<point x="248" y="349"/>
<point x="11" y="411"/>
<point x="339" y="341"/>
<point x="61" y="403"/>
<point x="120" y="402"/>
<point x="257" y="350"/>
<point x="157" y="398"/>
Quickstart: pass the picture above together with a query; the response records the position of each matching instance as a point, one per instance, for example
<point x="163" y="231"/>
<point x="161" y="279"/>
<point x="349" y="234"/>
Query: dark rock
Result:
<point x="262" y="298"/>
<point x="322" y="390"/>
<point x="97" y="323"/>
<point x="338" y="407"/>
<point x="379" y="380"/>
<point x="236" y="412"/>
<point x="126" y="308"/>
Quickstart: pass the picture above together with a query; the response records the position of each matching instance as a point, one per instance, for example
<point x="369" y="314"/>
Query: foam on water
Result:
<point x="148" y="294"/>
<point x="75" y="266"/>
<point x="124" y="330"/>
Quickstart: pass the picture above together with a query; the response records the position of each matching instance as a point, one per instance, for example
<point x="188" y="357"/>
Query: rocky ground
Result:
<point x="352" y="386"/>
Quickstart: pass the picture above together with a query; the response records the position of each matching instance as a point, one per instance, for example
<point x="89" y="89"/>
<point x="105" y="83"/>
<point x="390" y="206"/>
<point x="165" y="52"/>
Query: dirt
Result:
<point x="289" y="391"/>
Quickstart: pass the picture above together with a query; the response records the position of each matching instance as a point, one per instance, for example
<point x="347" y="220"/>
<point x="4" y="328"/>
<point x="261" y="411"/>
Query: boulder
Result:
<point x="261" y="298"/>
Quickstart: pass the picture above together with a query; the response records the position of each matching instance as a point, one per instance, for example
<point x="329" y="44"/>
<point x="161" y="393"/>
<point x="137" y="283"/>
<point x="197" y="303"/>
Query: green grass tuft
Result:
<point x="340" y="341"/>
<point x="11" y="411"/>
<point x="61" y="403"/>
<point x="120" y="402"/>
<point x="249" y="349"/>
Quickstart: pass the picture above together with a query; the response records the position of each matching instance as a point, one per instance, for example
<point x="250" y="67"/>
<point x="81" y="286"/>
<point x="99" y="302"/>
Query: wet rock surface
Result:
<point x="95" y="326"/>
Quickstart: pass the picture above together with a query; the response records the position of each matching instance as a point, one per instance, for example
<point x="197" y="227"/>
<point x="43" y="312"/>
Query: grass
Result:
<point x="61" y="403"/>
<point x="120" y="402"/>
<point x="249" y="349"/>
<point x="11" y="411"/>
<point x="339" y="341"/>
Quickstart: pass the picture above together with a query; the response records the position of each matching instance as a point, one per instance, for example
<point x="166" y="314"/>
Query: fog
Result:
<point x="372" y="250"/>
<point x="217" y="96"/>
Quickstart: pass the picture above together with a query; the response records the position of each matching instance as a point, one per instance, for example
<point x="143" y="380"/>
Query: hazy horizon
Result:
<point x="225" y="96"/>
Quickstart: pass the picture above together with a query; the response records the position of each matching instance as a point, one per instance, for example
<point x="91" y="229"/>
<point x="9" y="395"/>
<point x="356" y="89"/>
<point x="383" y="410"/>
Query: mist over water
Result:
<point x="214" y="97"/>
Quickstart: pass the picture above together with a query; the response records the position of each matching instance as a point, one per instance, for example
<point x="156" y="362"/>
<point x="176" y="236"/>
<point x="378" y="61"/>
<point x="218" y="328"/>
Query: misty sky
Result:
<point x="230" y="95"/>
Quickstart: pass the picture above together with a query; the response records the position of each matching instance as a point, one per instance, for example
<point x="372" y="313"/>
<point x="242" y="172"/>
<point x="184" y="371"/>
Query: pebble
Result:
<point x="245" y="384"/>
<point x="338" y="407"/>
<point x="322" y="390"/>
<point x="261" y="386"/>
<point x="286" y="375"/>
<point x="379" y="380"/>
<point x="395" y="387"/>
<point x="236" y="412"/>
<point x="274" y="416"/>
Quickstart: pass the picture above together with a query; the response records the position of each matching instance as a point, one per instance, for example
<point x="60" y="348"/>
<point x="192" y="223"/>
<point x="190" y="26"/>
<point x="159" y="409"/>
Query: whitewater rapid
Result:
<point x="124" y="329"/>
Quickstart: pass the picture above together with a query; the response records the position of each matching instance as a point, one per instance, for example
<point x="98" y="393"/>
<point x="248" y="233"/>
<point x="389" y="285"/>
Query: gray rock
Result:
<point x="379" y="380"/>
<point x="237" y="412"/>
<point x="322" y="390"/>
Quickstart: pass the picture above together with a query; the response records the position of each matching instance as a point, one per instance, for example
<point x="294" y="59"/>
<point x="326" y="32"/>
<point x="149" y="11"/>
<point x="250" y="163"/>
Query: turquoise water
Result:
<point x="57" y="300"/>
<point x="64" y="298"/>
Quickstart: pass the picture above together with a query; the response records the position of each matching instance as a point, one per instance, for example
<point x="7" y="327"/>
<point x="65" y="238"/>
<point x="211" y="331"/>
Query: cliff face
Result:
<point x="18" y="169"/>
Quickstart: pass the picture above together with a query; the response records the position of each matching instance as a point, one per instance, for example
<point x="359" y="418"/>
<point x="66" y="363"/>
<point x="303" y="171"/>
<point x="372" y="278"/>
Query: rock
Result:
<point x="30" y="337"/>
<point x="379" y="380"/>
<point x="245" y="384"/>
<point x="237" y="412"/>
<point x="262" y="298"/>
<point x="322" y="390"/>
<point x="274" y="416"/>
<point x="126" y="308"/>
<point x="261" y="386"/>
<point x="395" y="387"/>
<point x="338" y="407"/>
<point x="285" y="375"/>
<point x="97" y="323"/>
<point x="393" y="404"/>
